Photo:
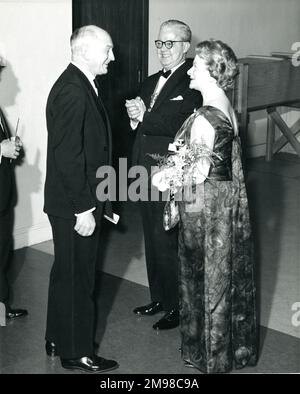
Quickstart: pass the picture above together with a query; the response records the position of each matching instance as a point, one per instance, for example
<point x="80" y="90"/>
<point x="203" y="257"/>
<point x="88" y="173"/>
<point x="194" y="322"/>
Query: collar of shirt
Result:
<point x="88" y="74"/>
<point x="161" y="81"/>
<point x="174" y="68"/>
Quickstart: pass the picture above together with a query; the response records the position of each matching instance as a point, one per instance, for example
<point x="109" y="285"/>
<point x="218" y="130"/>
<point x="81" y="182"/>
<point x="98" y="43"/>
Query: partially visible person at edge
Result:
<point x="164" y="102"/>
<point x="79" y="142"/>
<point x="9" y="152"/>
<point x="217" y="290"/>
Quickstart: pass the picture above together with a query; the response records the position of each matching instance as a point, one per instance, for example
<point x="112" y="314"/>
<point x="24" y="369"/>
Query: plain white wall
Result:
<point x="255" y="27"/>
<point x="35" y="37"/>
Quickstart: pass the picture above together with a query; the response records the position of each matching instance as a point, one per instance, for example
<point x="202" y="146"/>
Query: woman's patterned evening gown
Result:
<point x="217" y="289"/>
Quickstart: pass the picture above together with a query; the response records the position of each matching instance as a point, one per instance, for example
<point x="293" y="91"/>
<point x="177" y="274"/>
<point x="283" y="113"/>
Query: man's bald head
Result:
<point x="92" y="47"/>
<point x="84" y="35"/>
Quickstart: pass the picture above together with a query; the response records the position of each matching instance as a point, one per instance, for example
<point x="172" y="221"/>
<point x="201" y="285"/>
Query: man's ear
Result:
<point x="84" y="52"/>
<point x="186" y="46"/>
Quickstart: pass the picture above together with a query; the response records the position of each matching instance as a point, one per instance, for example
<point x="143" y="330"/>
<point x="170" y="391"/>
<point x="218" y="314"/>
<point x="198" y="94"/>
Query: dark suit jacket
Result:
<point x="6" y="174"/>
<point x="79" y="142"/>
<point x="160" y="125"/>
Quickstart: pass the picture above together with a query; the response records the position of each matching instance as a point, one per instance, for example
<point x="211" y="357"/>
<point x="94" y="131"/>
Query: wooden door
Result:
<point x="127" y="23"/>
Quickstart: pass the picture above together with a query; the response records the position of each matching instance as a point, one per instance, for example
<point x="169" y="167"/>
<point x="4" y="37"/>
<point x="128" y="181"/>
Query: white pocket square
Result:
<point x="177" y="98"/>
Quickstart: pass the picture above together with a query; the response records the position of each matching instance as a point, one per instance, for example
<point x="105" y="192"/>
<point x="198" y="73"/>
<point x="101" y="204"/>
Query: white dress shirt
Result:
<point x="160" y="84"/>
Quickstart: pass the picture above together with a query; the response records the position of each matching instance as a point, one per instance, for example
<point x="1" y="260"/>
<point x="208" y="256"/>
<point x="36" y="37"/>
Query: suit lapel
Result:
<point x="90" y="90"/>
<point x="108" y="127"/>
<point x="3" y="126"/>
<point x="104" y="115"/>
<point x="98" y="104"/>
<point x="171" y="84"/>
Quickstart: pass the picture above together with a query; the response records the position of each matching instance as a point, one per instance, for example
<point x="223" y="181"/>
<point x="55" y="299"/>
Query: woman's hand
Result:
<point x="159" y="181"/>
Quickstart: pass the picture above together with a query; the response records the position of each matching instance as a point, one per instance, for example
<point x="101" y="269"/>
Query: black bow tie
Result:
<point x="164" y="74"/>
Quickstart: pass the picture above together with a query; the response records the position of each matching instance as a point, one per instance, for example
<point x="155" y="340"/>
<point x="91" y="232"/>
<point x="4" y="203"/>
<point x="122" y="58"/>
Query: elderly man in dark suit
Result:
<point x="165" y="101"/>
<point x="9" y="151"/>
<point x="79" y="142"/>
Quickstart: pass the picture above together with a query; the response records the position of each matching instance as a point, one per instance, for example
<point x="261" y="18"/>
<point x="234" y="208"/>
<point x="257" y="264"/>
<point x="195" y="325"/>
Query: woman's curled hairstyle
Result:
<point x="220" y="60"/>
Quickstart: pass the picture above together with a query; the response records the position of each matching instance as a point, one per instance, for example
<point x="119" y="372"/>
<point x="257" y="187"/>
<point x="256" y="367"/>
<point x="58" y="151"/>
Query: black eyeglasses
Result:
<point x="168" y="44"/>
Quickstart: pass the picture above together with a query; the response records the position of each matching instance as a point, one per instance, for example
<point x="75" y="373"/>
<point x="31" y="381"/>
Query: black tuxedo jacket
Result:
<point x="6" y="173"/>
<point x="79" y="142"/>
<point x="160" y="125"/>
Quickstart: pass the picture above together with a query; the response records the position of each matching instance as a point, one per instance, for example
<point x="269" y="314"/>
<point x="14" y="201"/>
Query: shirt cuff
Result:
<point x="83" y="213"/>
<point x="0" y="153"/>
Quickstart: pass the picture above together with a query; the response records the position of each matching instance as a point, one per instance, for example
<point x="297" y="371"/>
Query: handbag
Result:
<point x="170" y="214"/>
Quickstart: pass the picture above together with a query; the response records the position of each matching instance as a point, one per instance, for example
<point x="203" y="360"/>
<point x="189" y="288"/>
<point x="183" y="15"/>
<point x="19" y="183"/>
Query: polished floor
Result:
<point x="274" y="196"/>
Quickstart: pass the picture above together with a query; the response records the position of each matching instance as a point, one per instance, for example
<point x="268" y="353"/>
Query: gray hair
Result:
<point x="185" y="31"/>
<point x="83" y="35"/>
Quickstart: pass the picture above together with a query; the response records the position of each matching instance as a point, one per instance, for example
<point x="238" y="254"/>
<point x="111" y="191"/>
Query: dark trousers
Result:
<point x="71" y="306"/>
<point x="6" y="228"/>
<point x="161" y="248"/>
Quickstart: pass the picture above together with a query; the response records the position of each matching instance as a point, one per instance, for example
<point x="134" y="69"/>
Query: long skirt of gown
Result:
<point x="217" y="290"/>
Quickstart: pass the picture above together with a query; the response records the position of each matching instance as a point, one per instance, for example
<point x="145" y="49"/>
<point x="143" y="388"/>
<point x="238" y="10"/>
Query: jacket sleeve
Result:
<point x="167" y="123"/>
<point x="67" y="141"/>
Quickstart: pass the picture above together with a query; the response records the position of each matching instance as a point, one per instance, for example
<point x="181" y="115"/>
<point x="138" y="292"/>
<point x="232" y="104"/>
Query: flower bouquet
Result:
<point x="182" y="167"/>
<point x="178" y="172"/>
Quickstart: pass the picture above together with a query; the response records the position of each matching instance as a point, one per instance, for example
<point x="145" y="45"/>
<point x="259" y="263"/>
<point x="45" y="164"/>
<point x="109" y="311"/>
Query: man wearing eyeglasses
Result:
<point x="165" y="101"/>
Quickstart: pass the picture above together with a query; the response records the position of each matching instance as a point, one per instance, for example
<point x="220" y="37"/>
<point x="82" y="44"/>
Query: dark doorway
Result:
<point x="127" y="23"/>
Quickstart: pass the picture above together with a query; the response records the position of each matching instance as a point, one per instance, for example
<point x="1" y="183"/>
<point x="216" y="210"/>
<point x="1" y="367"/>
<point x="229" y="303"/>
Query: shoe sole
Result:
<point x="147" y="314"/>
<point x="165" y="328"/>
<point x="88" y="371"/>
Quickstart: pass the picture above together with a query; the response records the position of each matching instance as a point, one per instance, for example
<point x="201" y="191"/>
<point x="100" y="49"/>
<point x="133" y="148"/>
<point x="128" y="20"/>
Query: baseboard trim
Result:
<point x="27" y="236"/>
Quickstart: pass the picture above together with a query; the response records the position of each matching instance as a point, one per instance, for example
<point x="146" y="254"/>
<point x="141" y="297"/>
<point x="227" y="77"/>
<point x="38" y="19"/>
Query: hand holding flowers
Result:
<point x="182" y="167"/>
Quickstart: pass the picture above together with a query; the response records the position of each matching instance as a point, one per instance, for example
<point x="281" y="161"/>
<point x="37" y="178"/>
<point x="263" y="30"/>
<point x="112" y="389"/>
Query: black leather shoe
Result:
<point x="51" y="349"/>
<point x="170" y="320"/>
<point x="15" y="313"/>
<point x="90" y="364"/>
<point x="149" y="310"/>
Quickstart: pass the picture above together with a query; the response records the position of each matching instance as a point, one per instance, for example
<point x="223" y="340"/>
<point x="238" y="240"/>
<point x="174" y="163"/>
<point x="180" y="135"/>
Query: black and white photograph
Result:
<point x="149" y="189"/>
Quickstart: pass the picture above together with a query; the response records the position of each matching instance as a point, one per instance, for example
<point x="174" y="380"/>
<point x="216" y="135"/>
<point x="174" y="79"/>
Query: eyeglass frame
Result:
<point x="163" y="43"/>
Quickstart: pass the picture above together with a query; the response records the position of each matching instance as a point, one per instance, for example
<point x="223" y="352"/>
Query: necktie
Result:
<point x="155" y="94"/>
<point x="101" y="106"/>
<point x="97" y="85"/>
<point x="2" y="127"/>
<point x="165" y="74"/>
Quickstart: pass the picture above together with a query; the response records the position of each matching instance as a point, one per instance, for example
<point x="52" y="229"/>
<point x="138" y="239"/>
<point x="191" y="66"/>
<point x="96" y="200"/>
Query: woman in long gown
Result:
<point x="217" y="290"/>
